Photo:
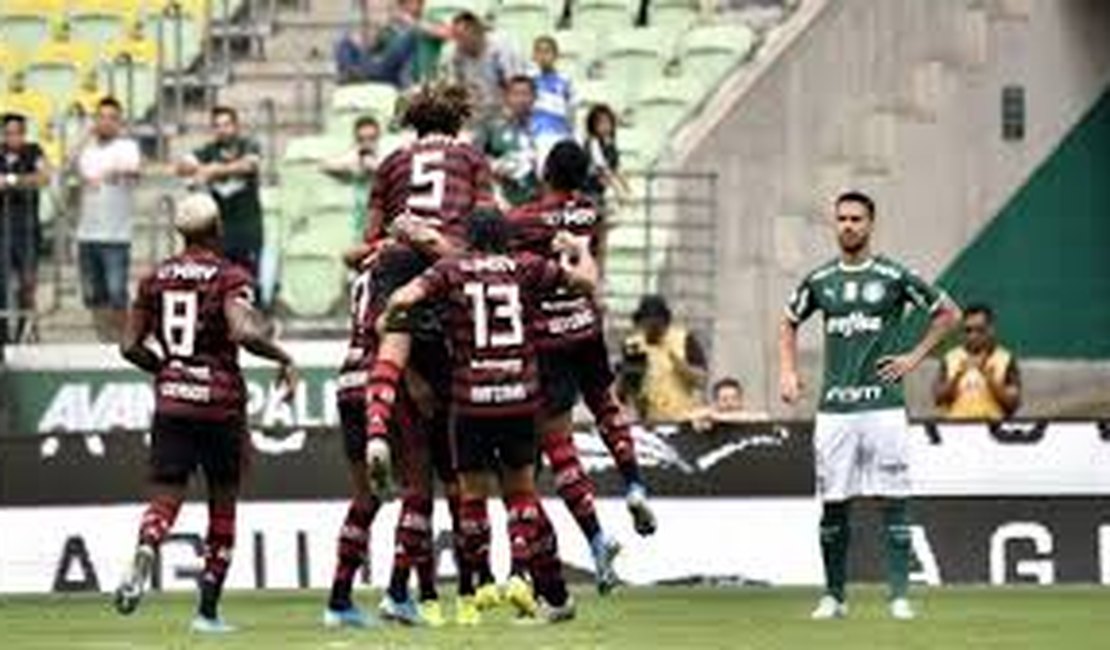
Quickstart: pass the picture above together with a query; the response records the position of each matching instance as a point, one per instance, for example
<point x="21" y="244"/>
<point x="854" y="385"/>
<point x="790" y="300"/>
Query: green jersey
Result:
<point x="864" y="308"/>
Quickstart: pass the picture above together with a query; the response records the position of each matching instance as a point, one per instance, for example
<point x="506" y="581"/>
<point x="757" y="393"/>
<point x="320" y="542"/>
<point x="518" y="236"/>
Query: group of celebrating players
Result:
<point x="473" y="335"/>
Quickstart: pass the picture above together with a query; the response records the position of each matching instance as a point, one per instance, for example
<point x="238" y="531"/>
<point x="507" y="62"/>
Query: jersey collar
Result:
<point x="856" y="268"/>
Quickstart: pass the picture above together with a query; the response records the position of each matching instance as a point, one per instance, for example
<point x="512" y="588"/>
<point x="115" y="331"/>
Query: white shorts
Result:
<point x="863" y="454"/>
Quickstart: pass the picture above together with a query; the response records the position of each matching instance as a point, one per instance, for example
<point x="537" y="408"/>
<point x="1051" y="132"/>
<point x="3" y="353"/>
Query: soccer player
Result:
<point x="860" y="437"/>
<point x="495" y="398"/>
<point x="574" y="358"/>
<point x="197" y="306"/>
<point x="433" y="184"/>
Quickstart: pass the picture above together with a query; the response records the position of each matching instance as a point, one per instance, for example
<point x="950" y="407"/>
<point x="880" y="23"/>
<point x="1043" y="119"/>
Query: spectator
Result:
<point x="510" y="143"/>
<point x="727" y="407"/>
<point x="229" y="167"/>
<point x="482" y="63"/>
<point x="23" y="172"/>
<point x="107" y="165"/>
<point x="979" y="380"/>
<point x="357" y="167"/>
<point x="394" y="55"/>
<point x="553" y="116"/>
<point x="664" y="367"/>
<point x="601" y="144"/>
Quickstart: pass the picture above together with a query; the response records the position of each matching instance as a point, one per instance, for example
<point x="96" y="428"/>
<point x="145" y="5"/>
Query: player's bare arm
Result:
<point x="944" y="319"/>
<point x="251" y="330"/>
<point x="133" y="345"/>
<point x="1006" y="392"/>
<point x="790" y="384"/>
<point x="401" y="299"/>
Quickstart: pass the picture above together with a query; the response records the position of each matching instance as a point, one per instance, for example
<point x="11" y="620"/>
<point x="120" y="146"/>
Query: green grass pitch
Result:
<point x="635" y="618"/>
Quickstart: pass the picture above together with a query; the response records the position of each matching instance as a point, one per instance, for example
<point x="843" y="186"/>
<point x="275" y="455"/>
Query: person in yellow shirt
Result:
<point x="664" y="369"/>
<point x="979" y="380"/>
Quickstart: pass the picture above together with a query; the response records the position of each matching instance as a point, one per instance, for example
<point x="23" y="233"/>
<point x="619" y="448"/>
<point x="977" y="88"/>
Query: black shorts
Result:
<point x="492" y="443"/>
<point x="179" y="445"/>
<point x="568" y="372"/>
<point x="413" y="447"/>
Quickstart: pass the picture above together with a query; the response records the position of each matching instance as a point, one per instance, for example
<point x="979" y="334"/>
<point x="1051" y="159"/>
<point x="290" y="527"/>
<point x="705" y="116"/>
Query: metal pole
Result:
<point x="645" y="277"/>
<point x="179" y="61"/>
<point x="161" y="142"/>
<point x="269" y="116"/>
<point x="225" y="34"/>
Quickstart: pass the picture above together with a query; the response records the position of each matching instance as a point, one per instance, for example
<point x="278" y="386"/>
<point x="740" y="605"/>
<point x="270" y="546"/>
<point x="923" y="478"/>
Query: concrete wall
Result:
<point x="899" y="98"/>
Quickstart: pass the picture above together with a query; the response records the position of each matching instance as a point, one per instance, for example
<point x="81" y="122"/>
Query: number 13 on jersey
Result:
<point x="498" y="314"/>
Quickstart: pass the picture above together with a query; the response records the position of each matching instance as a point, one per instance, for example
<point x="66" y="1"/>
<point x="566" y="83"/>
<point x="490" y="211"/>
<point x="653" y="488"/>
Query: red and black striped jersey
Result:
<point x="363" y="342"/>
<point x="485" y="307"/>
<point x="438" y="178"/>
<point x="563" y="318"/>
<point x="183" y="304"/>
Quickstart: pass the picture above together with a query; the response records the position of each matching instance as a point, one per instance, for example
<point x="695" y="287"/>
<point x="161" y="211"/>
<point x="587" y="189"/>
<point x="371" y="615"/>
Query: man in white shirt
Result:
<point x="107" y="164"/>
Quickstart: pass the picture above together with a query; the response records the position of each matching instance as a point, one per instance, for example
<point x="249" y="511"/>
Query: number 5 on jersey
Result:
<point x="428" y="183"/>
<point x="496" y="307"/>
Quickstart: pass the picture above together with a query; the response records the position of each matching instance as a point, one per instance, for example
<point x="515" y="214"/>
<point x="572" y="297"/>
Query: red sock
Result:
<point x="158" y="519"/>
<point x="534" y="543"/>
<point x="615" y="431"/>
<point x="217" y="554"/>
<point x="354" y="538"/>
<point x="474" y="526"/>
<point x="413" y="547"/>
<point x="571" y="481"/>
<point x="381" y="395"/>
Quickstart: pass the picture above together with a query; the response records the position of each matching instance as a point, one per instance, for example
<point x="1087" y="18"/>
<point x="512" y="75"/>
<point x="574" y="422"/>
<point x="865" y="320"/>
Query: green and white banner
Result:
<point x="65" y="388"/>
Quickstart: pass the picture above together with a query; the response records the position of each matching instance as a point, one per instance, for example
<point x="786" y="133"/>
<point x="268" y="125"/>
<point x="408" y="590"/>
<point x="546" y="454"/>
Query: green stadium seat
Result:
<point x="636" y="58"/>
<point x="25" y="32"/>
<point x="674" y="14"/>
<point x="666" y="103"/>
<point x="57" y="70"/>
<point x="97" y="28"/>
<point x="592" y="92"/>
<point x="311" y="285"/>
<point x="314" y="149"/>
<point x="350" y="102"/>
<point x="640" y="147"/>
<point x="577" y="52"/>
<point x="709" y="53"/>
<point x="442" y="11"/>
<point x="132" y="62"/>
<point x="602" y="16"/>
<point x="523" y="20"/>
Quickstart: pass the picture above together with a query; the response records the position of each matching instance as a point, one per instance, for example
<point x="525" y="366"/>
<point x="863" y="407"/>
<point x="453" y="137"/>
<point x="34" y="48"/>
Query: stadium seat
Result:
<point x="10" y="65"/>
<point x="313" y="149"/>
<point x="137" y="60"/>
<point x="577" y="52"/>
<point x="24" y="32"/>
<point x="524" y="20"/>
<point x="592" y="92"/>
<point x="674" y="14"/>
<point x="602" y="16"/>
<point x="311" y="285"/>
<point x="709" y="53"/>
<point x="57" y="68"/>
<point x="99" y="27"/>
<point x="350" y="102"/>
<point x="665" y="103"/>
<point x="635" y="58"/>
<point x="640" y="147"/>
<point x="442" y="11"/>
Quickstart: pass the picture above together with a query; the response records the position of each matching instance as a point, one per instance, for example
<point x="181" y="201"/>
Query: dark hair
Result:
<point x="469" y="19"/>
<point x="546" y="40"/>
<point x="522" y="79"/>
<point x="652" y="306"/>
<point x="488" y="231"/>
<point x="980" y="308"/>
<point x="597" y="111"/>
<point x="727" y="382"/>
<point x="366" y="120"/>
<point x="567" y="167"/>
<point x="437" y="108"/>
<point x="16" y="118"/>
<point x="858" y="197"/>
<point x="224" y="110"/>
<point x="109" y="102"/>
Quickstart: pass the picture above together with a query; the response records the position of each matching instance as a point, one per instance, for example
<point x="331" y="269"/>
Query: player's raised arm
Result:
<point x="135" y="332"/>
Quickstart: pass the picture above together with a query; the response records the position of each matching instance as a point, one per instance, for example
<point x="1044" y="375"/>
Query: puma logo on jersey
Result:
<point x="573" y="217"/>
<point x="855" y="323"/>
<point x="853" y="394"/>
<point x="188" y="271"/>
